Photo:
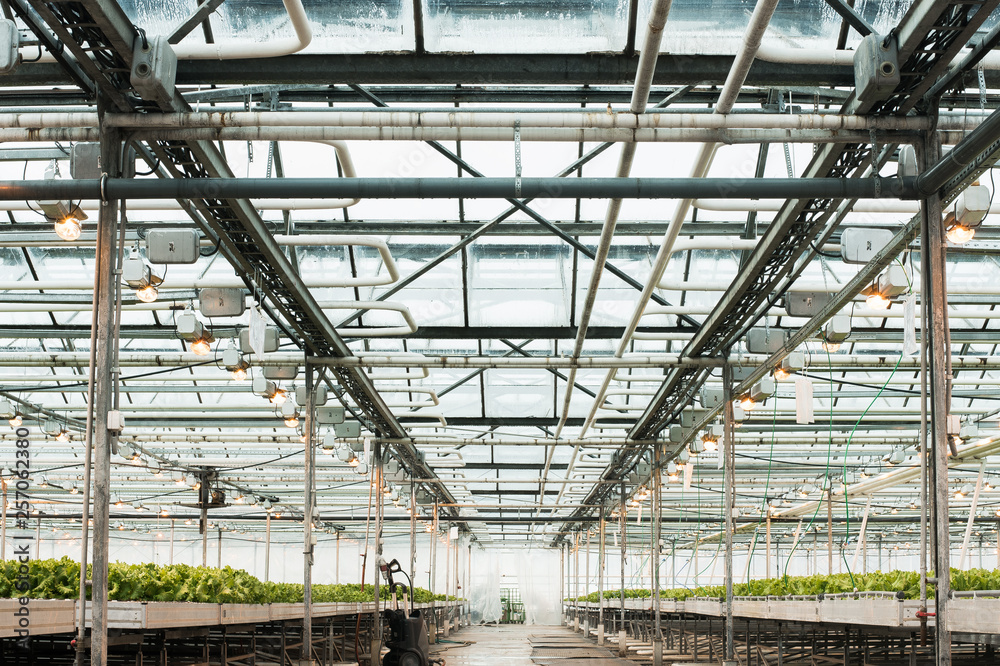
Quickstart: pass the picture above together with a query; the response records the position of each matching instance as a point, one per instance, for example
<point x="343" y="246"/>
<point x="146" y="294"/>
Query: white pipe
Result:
<point x="233" y="282"/>
<point x="981" y="289"/>
<point x="861" y="534"/>
<point x="232" y="50"/>
<point x="684" y="135"/>
<point x="381" y="360"/>
<point x="634" y="119"/>
<point x="972" y="515"/>
<point x="640" y="97"/>
<point x="774" y="205"/>
<point x="841" y="57"/>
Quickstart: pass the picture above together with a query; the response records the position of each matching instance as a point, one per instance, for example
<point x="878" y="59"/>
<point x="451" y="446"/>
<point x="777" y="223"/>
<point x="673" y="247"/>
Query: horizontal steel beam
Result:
<point x="491" y="69"/>
<point x="465" y="188"/>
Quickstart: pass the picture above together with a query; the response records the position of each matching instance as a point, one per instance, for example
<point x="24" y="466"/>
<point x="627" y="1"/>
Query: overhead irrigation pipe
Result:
<point x="463" y="188"/>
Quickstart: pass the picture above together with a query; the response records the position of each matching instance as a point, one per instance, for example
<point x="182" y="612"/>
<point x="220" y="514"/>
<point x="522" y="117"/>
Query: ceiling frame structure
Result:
<point x="466" y="395"/>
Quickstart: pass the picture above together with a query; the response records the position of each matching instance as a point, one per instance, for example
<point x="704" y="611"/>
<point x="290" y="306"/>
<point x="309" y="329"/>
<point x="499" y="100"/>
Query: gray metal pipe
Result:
<point x="961" y="156"/>
<point x="450" y="188"/>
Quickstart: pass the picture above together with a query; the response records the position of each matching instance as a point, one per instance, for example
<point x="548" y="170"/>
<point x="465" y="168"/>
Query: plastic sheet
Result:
<point x="538" y="580"/>
<point x="484" y="588"/>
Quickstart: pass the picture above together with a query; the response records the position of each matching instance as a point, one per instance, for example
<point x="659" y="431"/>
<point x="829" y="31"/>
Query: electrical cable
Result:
<point x="829" y="451"/>
<point x="767" y="486"/>
<point x="847" y="449"/>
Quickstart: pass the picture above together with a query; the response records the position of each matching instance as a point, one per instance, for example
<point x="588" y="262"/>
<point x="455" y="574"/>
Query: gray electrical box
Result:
<point x="10" y="40"/>
<point x="85" y="160"/>
<point x="676" y="434"/>
<point x="302" y="396"/>
<point x="347" y="430"/>
<point x="217" y="302"/>
<point x="154" y="69"/>
<point x="859" y="246"/>
<point x="711" y="397"/>
<point x="172" y="246"/>
<point x="876" y="67"/>
<point x="270" y="340"/>
<point x="281" y="371"/>
<point x="765" y="340"/>
<point x="805" y="304"/>
<point x="329" y="415"/>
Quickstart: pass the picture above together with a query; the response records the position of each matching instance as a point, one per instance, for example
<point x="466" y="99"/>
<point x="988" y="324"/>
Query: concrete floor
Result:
<point x="520" y="645"/>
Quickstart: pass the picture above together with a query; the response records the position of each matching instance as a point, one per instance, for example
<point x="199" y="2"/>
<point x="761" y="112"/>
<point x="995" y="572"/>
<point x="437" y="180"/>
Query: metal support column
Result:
<point x="729" y="471"/>
<point x="379" y="501"/>
<point x="576" y="580"/>
<point x="655" y="555"/>
<point x="307" y="517"/>
<point x="934" y="305"/>
<point x="103" y="380"/>
<point x="829" y="529"/>
<point x="267" y="546"/>
<point x="432" y="624"/>
<point x="622" y="523"/>
<point x="600" y="580"/>
<point x="586" y="581"/>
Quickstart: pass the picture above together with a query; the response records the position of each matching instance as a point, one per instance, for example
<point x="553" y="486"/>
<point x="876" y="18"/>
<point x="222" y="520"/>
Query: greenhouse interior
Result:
<point x="571" y="333"/>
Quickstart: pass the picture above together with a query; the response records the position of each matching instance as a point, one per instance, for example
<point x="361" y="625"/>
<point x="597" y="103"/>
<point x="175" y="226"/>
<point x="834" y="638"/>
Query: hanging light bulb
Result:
<point x="63" y="436"/>
<point x="747" y="403"/>
<point x="831" y="347"/>
<point x="15" y="421"/>
<point x="292" y="421"/>
<point x="239" y="374"/>
<point x="780" y="373"/>
<point x="278" y="397"/>
<point x="147" y="294"/>
<point x="877" y="301"/>
<point x="201" y="347"/>
<point x="960" y="234"/>
<point x="68" y="228"/>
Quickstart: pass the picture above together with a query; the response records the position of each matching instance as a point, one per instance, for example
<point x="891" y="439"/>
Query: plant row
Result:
<point x="907" y="582"/>
<point x="60" y="579"/>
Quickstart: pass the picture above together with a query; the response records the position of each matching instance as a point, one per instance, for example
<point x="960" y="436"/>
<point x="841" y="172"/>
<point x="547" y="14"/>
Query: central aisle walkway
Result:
<point x="520" y="645"/>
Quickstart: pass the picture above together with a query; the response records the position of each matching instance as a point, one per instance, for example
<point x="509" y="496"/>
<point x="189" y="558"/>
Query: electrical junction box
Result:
<point x="893" y="282"/>
<point x="116" y="422"/>
<point x="330" y="442"/>
<point x="676" y="434"/>
<point x="765" y="340"/>
<point x="805" y="304"/>
<point x="837" y="329"/>
<point x="711" y="397"/>
<point x="330" y="415"/>
<point x="270" y="340"/>
<point x="216" y="302"/>
<point x="859" y="246"/>
<point x="135" y="272"/>
<point x="189" y="327"/>
<point x="348" y="430"/>
<point x="154" y="69"/>
<point x="173" y="246"/>
<point x="85" y="160"/>
<point x="302" y="396"/>
<point x="972" y="205"/>
<point x="10" y="40"/>
<point x="281" y="371"/>
<point x="876" y="67"/>
<point x="687" y="418"/>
